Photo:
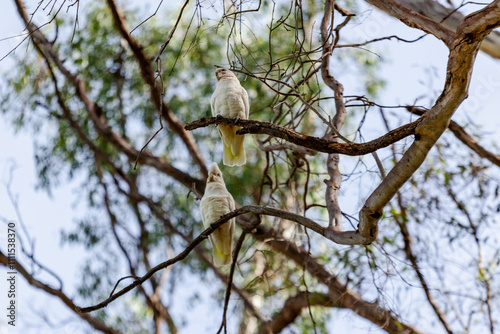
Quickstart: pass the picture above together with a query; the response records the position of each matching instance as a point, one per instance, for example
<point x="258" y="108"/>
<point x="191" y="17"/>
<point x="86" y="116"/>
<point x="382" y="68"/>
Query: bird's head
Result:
<point x="214" y="174"/>
<point x="223" y="73"/>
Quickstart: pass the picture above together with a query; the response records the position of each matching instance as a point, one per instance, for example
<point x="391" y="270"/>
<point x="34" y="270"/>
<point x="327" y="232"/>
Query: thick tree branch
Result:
<point x="313" y="143"/>
<point x="463" y="50"/>
<point x="94" y="322"/>
<point x="451" y="18"/>
<point x="414" y="19"/>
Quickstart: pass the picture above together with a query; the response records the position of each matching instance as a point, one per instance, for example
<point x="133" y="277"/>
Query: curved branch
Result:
<point x="344" y="238"/>
<point x="340" y="294"/>
<point x="181" y="256"/>
<point x="349" y="238"/>
<point x="313" y="143"/>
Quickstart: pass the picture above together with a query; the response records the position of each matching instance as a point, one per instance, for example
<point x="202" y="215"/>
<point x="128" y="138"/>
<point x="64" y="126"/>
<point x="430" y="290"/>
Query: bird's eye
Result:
<point x="223" y="70"/>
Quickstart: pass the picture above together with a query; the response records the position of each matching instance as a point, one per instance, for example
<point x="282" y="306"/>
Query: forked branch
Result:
<point x="463" y="49"/>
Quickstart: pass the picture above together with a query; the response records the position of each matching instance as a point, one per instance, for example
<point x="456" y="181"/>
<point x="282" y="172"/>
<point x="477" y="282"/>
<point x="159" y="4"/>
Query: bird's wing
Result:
<point x="212" y="104"/>
<point x="230" y="202"/>
<point x="245" y="102"/>
<point x="232" y="221"/>
<point x="204" y="212"/>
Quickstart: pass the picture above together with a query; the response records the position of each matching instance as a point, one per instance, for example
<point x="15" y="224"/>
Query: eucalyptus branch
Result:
<point x="310" y="142"/>
<point x="451" y="18"/>
<point x="181" y="256"/>
<point x="465" y="138"/>
<point x="414" y="19"/>
<point x="332" y="162"/>
<point x="434" y="122"/>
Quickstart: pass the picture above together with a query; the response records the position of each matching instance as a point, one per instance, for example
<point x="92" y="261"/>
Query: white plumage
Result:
<point x="217" y="201"/>
<point x="230" y="100"/>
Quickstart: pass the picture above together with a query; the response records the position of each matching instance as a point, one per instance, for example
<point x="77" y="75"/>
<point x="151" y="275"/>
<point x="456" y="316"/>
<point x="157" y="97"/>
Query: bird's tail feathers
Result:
<point x="234" y="146"/>
<point x="222" y="243"/>
<point x="229" y="159"/>
<point x="221" y="259"/>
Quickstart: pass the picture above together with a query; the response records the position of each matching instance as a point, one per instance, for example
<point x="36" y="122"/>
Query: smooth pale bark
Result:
<point x="332" y="162"/>
<point x="451" y="18"/>
<point x="463" y="50"/>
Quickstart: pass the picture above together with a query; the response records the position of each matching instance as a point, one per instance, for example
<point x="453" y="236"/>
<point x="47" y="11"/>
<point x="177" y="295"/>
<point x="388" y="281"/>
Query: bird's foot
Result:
<point x="236" y="119"/>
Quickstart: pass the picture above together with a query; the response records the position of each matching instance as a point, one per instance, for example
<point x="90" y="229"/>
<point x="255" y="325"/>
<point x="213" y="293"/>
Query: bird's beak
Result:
<point x="217" y="73"/>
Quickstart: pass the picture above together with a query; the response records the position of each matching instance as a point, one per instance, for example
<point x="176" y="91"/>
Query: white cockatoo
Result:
<point x="230" y="100"/>
<point x="217" y="201"/>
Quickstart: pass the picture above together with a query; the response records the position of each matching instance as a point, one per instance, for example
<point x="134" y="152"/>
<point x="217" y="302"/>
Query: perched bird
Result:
<point x="230" y="100"/>
<point x="217" y="201"/>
